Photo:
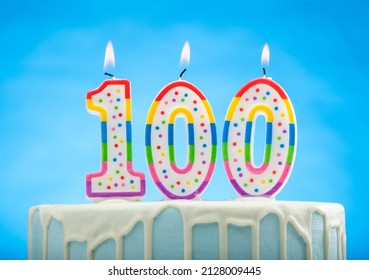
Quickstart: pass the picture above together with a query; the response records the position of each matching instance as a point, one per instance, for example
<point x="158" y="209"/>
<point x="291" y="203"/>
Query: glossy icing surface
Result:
<point x="237" y="229"/>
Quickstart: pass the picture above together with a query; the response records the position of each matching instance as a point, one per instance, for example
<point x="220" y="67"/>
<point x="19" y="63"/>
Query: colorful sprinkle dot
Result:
<point x="279" y="138"/>
<point x="267" y="93"/>
<point x="118" y="99"/>
<point x="183" y="190"/>
<point x="257" y="90"/>
<point x="157" y="128"/>
<point x="235" y="124"/>
<point x="131" y="181"/>
<point x="256" y="190"/>
<point x="282" y="145"/>
<point x="276" y="108"/>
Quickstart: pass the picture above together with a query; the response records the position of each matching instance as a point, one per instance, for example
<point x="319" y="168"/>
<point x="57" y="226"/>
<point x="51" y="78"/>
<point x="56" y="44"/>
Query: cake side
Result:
<point x="252" y="229"/>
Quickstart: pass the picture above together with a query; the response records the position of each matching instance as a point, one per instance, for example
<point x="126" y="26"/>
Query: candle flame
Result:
<point x="185" y="55"/>
<point x="265" y="56"/>
<point x="109" y="56"/>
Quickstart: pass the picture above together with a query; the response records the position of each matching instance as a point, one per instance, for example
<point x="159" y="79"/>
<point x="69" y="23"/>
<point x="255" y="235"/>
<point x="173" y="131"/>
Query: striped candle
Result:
<point x="112" y="102"/>
<point x="181" y="99"/>
<point x="259" y="97"/>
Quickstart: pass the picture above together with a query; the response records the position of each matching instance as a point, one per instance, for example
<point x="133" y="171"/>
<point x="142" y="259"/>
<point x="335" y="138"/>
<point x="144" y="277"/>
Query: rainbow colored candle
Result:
<point x="181" y="99"/>
<point x="259" y="97"/>
<point x="112" y="102"/>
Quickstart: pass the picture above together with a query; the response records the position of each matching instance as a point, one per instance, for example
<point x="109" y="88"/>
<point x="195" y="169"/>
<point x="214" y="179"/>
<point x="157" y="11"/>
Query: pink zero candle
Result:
<point x="111" y="101"/>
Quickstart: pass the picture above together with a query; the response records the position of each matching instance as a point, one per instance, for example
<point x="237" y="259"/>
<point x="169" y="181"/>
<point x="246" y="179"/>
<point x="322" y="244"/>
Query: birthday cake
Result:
<point x="253" y="226"/>
<point x="241" y="229"/>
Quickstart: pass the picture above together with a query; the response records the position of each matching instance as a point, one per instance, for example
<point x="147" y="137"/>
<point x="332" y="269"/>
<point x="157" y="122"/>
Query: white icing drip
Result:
<point x="95" y="223"/>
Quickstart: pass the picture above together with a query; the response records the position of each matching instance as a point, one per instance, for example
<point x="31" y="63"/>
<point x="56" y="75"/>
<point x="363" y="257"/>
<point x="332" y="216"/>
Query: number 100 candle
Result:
<point x="112" y="102"/>
<point x="181" y="99"/>
<point x="262" y="97"/>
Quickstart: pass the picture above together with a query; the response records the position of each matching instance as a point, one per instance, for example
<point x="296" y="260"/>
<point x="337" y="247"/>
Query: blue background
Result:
<point x="51" y="54"/>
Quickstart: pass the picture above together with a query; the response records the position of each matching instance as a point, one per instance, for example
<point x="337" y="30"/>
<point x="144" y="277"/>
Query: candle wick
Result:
<point x="180" y="75"/>
<point x="108" y="74"/>
<point x="264" y="72"/>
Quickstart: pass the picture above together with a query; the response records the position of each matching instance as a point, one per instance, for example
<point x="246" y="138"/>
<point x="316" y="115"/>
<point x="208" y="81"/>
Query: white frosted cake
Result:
<point x="257" y="228"/>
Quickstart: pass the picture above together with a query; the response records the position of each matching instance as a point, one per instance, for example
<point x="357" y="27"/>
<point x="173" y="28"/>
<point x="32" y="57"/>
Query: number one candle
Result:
<point x="259" y="97"/>
<point x="111" y="101"/>
<point x="175" y="100"/>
